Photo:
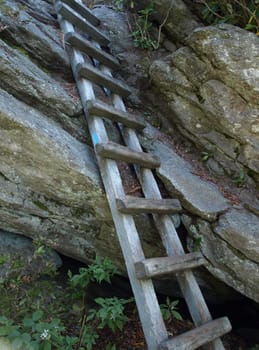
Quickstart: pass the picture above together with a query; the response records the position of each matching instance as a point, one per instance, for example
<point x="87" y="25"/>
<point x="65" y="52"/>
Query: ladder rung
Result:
<point x="101" y="109"/>
<point x="161" y="266"/>
<point x="70" y="15"/>
<point x="89" y="72"/>
<point x="199" y="336"/>
<point x="136" y="205"/>
<point x="84" y="45"/>
<point x="115" y="151"/>
<point x="83" y="11"/>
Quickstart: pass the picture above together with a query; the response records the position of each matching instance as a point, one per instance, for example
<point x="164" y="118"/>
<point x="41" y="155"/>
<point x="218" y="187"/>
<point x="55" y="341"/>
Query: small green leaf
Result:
<point x="177" y="316"/>
<point x="27" y="322"/>
<point x="37" y="315"/>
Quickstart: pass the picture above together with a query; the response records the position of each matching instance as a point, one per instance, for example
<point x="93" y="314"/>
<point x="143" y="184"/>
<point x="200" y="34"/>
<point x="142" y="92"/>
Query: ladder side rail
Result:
<point x="145" y="296"/>
<point x="214" y="345"/>
<point x="187" y="282"/>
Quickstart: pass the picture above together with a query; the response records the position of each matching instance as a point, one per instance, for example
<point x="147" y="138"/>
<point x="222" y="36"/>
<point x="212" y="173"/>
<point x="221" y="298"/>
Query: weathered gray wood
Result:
<point x="155" y="267"/>
<point x="148" y="307"/>
<point x="85" y="46"/>
<point x="136" y="205"/>
<point x="197" y="337"/>
<point x="83" y="11"/>
<point x="149" y="310"/>
<point x="87" y="71"/>
<point x="101" y="109"/>
<point x="188" y="284"/>
<point x="115" y="151"/>
<point x="70" y="15"/>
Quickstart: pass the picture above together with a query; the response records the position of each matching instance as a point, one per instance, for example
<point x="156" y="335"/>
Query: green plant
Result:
<point x="197" y="243"/>
<point x="100" y="270"/>
<point x="88" y="338"/>
<point x="118" y="5"/>
<point x="43" y="298"/>
<point x="33" y="333"/>
<point x="241" y="178"/>
<point x="244" y="13"/>
<point x="110" y="313"/>
<point x="169" y="310"/>
<point x="206" y="155"/>
<point x="141" y="34"/>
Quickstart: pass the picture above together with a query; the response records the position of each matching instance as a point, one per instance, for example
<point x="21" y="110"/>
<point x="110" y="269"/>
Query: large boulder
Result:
<point x="211" y="88"/>
<point x="231" y="246"/>
<point x="227" y="235"/>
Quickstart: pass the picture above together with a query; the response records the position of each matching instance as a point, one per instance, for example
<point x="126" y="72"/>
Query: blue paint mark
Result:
<point x="95" y="138"/>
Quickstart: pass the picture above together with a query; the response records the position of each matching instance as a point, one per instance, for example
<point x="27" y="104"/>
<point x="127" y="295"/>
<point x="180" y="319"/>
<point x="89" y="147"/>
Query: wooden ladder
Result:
<point x="75" y="18"/>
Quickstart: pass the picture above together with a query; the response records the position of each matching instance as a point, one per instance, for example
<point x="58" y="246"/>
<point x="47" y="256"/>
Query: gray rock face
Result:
<point x="211" y="87"/>
<point x="241" y="229"/>
<point x="197" y="196"/>
<point x="233" y="258"/>
<point x="31" y="27"/>
<point x="50" y="182"/>
<point x="50" y="185"/>
<point x="27" y="82"/>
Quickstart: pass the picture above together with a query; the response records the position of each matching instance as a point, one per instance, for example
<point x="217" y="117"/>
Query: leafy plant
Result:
<point x="169" y="310"/>
<point x="205" y="155"/>
<point x="241" y="178"/>
<point x="110" y="313"/>
<point x="118" y="5"/>
<point x="33" y="333"/>
<point x="40" y="331"/>
<point x="88" y="338"/>
<point x="99" y="270"/>
<point x="244" y="13"/>
<point x="141" y="35"/>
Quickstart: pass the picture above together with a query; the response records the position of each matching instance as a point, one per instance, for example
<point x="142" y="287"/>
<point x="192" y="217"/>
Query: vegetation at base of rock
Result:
<point x="141" y="33"/>
<point x="44" y="315"/>
<point x="238" y="12"/>
<point x="141" y="27"/>
<point x="240" y="178"/>
<point x="40" y="315"/>
<point x="169" y="310"/>
<point x="244" y="14"/>
<point x="206" y="155"/>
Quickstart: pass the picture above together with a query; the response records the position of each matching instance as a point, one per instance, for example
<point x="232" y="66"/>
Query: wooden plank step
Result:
<point x="83" y="11"/>
<point x="161" y="266"/>
<point x="147" y="303"/>
<point x="115" y="151"/>
<point x="85" y="46"/>
<point x="70" y="15"/>
<point x="87" y="71"/>
<point x="197" y="337"/>
<point x="136" y="205"/>
<point x="101" y="109"/>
